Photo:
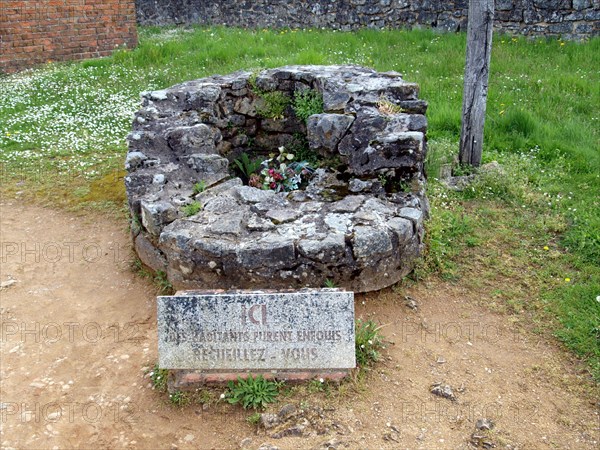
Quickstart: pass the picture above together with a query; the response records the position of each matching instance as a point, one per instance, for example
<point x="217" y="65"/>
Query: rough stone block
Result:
<point x="324" y="131"/>
<point x="199" y="138"/>
<point x="156" y="215"/>
<point x="330" y="249"/>
<point x="371" y="243"/>
<point x="149" y="254"/>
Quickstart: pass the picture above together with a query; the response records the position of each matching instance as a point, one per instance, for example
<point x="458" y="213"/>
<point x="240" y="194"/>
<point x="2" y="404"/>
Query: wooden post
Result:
<point x="477" y="68"/>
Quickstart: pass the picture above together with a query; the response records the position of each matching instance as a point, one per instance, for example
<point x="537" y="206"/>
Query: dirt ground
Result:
<point x="79" y="336"/>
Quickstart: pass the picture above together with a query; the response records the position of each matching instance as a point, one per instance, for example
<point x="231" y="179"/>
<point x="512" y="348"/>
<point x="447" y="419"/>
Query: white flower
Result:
<point x="290" y="156"/>
<point x="281" y="149"/>
<point x="222" y="396"/>
<point x="598" y="298"/>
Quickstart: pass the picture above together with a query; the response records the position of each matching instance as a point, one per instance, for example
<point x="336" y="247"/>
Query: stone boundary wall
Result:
<point x="34" y="32"/>
<point x="568" y="19"/>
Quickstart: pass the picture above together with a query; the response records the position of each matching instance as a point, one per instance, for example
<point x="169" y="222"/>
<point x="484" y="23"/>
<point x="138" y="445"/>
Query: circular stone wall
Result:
<point x="359" y="220"/>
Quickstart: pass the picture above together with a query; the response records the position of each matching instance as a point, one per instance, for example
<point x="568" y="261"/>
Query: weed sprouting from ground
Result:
<point x="158" y="377"/>
<point x="253" y="418"/>
<point x="158" y="278"/>
<point x="252" y="392"/>
<point x="369" y="342"/>
<point x="179" y="398"/>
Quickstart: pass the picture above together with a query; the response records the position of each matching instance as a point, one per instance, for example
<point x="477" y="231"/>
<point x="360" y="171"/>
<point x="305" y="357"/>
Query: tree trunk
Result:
<point x="477" y="67"/>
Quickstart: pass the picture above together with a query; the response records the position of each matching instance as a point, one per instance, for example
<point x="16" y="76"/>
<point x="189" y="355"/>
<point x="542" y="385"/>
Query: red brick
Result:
<point x="63" y="29"/>
<point x="191" y="379"/>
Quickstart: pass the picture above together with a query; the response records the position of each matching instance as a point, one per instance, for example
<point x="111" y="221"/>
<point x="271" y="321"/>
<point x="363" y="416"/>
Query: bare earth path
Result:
<point x="78" y="335"/>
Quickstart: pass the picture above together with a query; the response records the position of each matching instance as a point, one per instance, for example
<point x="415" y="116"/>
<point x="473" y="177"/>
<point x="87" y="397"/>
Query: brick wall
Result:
<point x="36" y="31"/>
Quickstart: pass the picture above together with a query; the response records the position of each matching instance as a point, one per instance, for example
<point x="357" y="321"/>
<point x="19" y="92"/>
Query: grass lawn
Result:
<point x="526" y="239"/>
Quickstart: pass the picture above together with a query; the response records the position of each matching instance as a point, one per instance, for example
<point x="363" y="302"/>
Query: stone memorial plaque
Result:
<point x="257" y="330"/>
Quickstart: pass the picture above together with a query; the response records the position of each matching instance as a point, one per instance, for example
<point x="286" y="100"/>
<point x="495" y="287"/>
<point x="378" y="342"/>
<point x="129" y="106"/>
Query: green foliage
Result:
<point x="199" y="187"/>
<point x="580" y="320"/>
<point x="253" y="418"/>
<point x="191" y="209"/>
<point x="179" y="398"/>
<point x="159" y="278"/>
<point x="306" y="103"/>
<point x="253" y="392"/>
<point x="246" y="167"/>
<point x="440" y="154"/>
<point x="584" y="235"/>
<point x="274" y="105"/>
<point x="330" y="283"/>
<point x="368" y="342"/>
<point x="461" y="170"/>
<point x="319" y="385"/>
<point x="159" y="378"/>
<point x="299" y="147"/>
<point x="161" y="281"/>
<point x="446" y="228"/>
<point x="204" y="397"/>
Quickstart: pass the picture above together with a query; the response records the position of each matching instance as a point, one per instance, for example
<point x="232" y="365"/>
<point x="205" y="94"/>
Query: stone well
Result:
<point x="359" y="220"/>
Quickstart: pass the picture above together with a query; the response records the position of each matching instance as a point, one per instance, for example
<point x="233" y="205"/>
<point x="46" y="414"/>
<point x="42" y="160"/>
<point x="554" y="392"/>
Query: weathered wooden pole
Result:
<point x="477" y="68"/>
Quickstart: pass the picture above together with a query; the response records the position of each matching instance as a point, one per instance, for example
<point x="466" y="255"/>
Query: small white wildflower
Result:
<point x="222" y="396"/>
<point x="290" y="156"/>
<point x="370" y="342"/>
<point x="598" y="298"/>
<point x="362" y="345"/>
<point x="321" y="380"/>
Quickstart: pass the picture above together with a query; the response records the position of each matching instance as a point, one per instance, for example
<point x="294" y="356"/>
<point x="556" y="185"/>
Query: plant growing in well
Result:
<point x="274" y="105"/>
<point x="368" y="342"/>
<point x="306" y="103"/>
<point x="387" y="107"/>
<point x="253" y="392"/>
<point x="246" y="166"/>
<point x="199" y="187"/>
<point x="191" y="209"/>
